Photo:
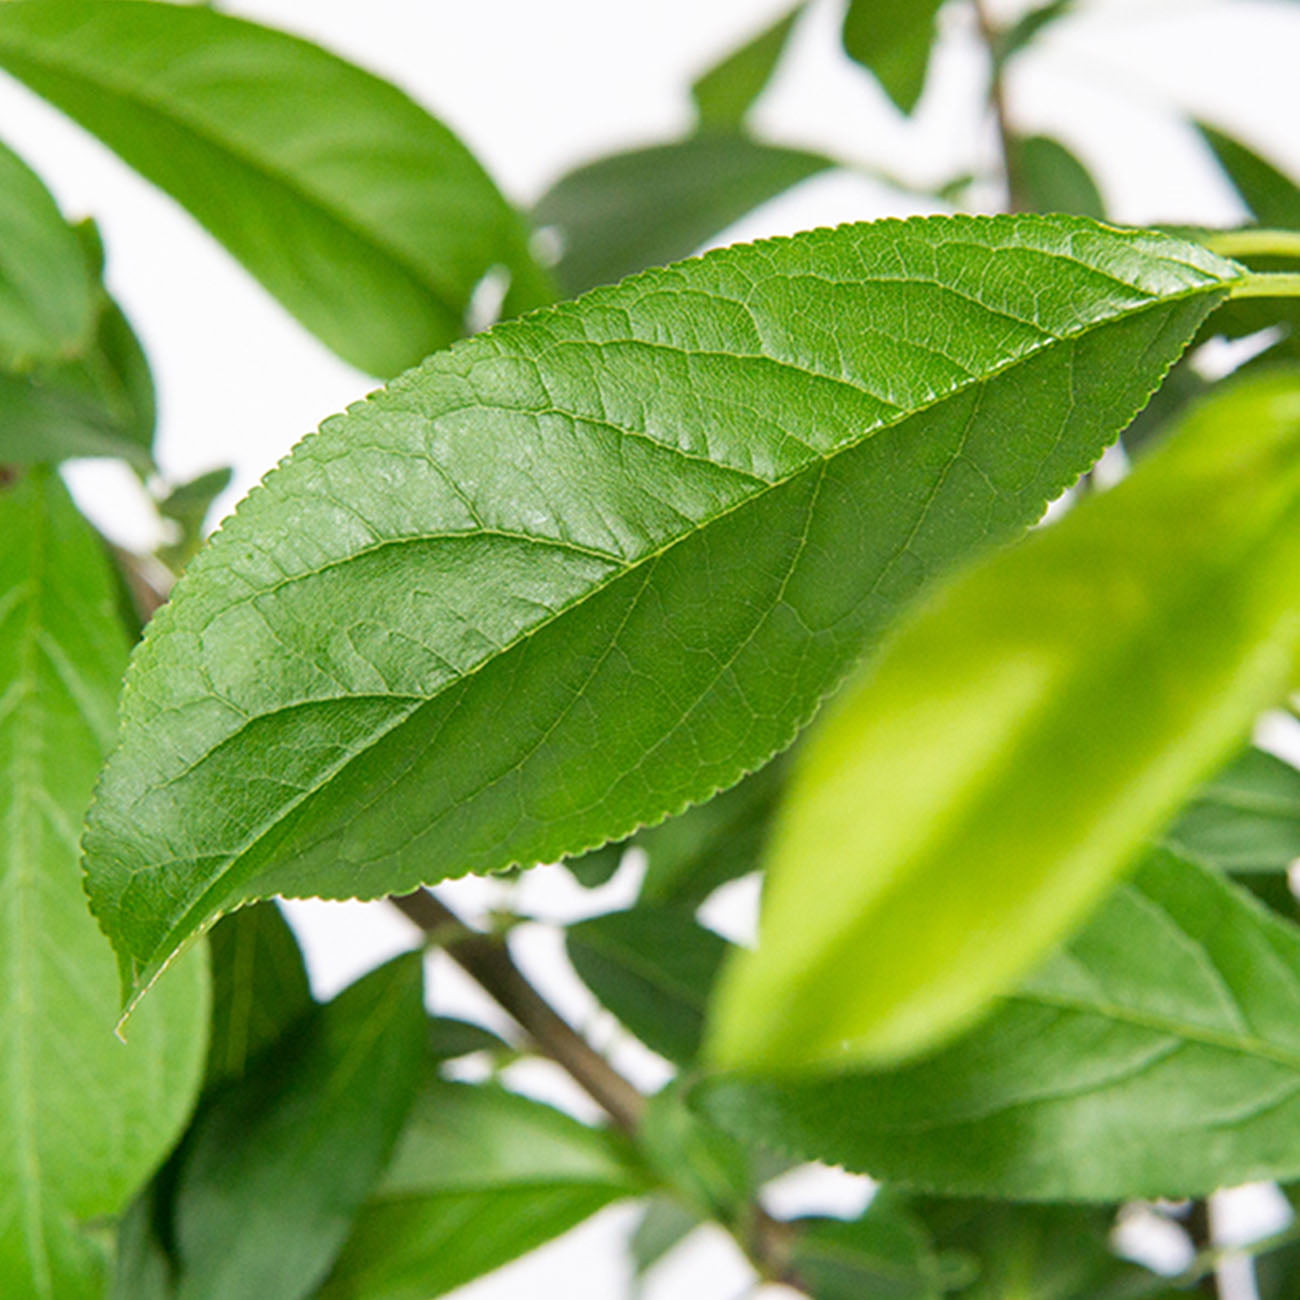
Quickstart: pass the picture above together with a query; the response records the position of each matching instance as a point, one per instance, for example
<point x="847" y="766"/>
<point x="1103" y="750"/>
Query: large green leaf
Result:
<point x="365" y="216"/>
<point x="653" y="968"/>
<point x="596" y="564"/>
<point x="1158" y="1054"/>
<point x="621" y="214"/>
<point x="1003" y="761"/>
<point x="1246" y="819"/>
<point x="83" y="1117"/>
<point x="893" y="39"/>
<point x="277" y="1164"/>
<point x="480" y="1177"/>
<point x="47" y="296"/>
<point x="725" y="94"/>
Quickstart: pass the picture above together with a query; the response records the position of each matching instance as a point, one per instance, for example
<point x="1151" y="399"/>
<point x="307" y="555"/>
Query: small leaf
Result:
<point x="450" y="1038"/>
<point x="725" y="94"/>
<point x="653" y="968"/>
<point x="365" y="216"/>
<point x="660" y="1230"/>
<point x="188" y="505"/>
<point x="1271" y="195"/>
<point x="892" y="39"/>
<point x="1027" y="29"/>
<point x="559" y="583"/>
<point x="277" y="1165"/>
<point x="924" y="858"/>
<point x="481" y="1176"/>
<point x="1246" y="819"/>
<point x="1158" y="1054"/>
<point x="259" y="986"/>
<point x="84" y="1118"/>
<point x="1054" y="180"/>
<point x="629" y="211"/>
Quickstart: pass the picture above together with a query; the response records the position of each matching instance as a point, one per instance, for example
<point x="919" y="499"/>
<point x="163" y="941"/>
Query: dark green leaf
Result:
<point x="893" y="39"/>
<point x="365" y="216"/>
<point x="1081" y="660"/>
<point x="1026" y="29"/>
<point x="277" y="1165"/>
<point x="621" y="214"/>
<point x="1054" y="180"/>
<point x="450" y="1038"/>
<point x="561" y="582"/>
<point x="83" y="1117"/>
<point x="1246" y="819"/>
<point x="725" y="94"/>
<point x="653" y="968"/>
<point x="480" y="1177"/>
<point x="1272" y="196"/>
<point x="259" y="987"/>
<point x="187" y="506"/>
<point x="1157" y="1055"/>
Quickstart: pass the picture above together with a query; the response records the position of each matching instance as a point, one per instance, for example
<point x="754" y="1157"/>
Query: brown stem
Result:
<point x="8" y="475"/>
<point x="145" y="580"/>
<point x="1017" y="200"/>
<point x="1200" y="1229"/>
<point x="487" y="960"/>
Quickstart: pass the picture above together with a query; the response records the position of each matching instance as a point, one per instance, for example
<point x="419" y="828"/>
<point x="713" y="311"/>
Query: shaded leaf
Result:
<point x="924" y="858"/>
<point x="660" y="1230"/>
<point x="1157" y="1054"/>
<point x="188" y="505"/>
<point x="1054" y="180"/>
<point x="83" y="1117"/>
<point x="621" y="214"/>
<point x="1028" y="27"/>
<point x="726" y="93"/>
<point x="450" y="1038"/>
<point x="364" y="215"/>
<point x="557" y="583"/>
<point x="481" y="1176"/>
<point x="653" y="968"/>
<point x="277" y="1165"/>
<point x="892" y="39"/>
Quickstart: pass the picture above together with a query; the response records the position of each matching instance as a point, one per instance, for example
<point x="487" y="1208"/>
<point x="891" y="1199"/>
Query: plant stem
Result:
<point x="1256" y="243"/>
<point x="1268" y="284"/>
<point x="1200" y="1229"/>
<point x="1016" y="197"/>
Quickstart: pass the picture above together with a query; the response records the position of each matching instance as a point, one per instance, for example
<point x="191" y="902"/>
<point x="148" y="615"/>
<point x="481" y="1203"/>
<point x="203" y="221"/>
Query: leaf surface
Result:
<point x="892" y="39"/>
<point x="481" y="1176"/>
<point x="1157" y="1054"/>
<point x="368" y="219"/>
<point x="83" y="1116"/>
<point x="924" y="857"/>
<point x="725" y="94"/>
<point x="1054" y="180"/>
<point x="594" y="565"/>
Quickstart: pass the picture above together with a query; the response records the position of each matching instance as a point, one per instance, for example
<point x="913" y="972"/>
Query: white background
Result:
<point x="536" y="88"/>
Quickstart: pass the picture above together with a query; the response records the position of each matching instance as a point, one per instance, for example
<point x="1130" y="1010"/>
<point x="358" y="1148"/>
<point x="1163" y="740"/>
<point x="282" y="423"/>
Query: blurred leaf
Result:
<point x="661" y="1229"/>
<point x="1158" y="1054"/>
<point x="1272" y="196"/>
<point x="481" y="1176"/>
<point x="1028" y="27"/>
<point x="1054" y="180"/>
<point x="259" y="987"/>
<point x="892" y="39"/>
<point x="83" y="1117"/>
<point x="591" y="538"/>
<point x="277" y="1164"/>
<point x="1246" y="819"/>
<point x="653" y="968"/>
<point x="621" y="214"/>
<point x="187" y="506"/>
<point x="365" y="216"/>
<point x="726" y="93"/>
<point x="450" y="1038"/>
<point x="1081" y="660"/>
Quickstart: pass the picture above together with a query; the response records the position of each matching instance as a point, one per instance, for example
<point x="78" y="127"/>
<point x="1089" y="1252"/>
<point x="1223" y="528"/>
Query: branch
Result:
<point x="1016" y="198"/>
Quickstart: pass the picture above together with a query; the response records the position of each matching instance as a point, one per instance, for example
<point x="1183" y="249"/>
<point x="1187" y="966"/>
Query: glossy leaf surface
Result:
<point x="480" y="1177"/>
<point x="1158" y="1054"/>
<point x="892" y="39"/>
<point x="621" y="214"/>
<point x="277" y="1165"/>
<point x="364" y="215"/>
<point x="726" y="93"/>
<point x="83" y="1116"/>
<point x="561" y="581"/>
<point x="924" y="858"/>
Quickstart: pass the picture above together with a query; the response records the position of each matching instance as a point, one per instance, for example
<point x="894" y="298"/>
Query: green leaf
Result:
<point x="83" y="1117"/>
<point x="1082" y="660"/>
<point x="621" y="214"/>
<point x="277" y="1165"/>
<point x="1246" y="819"/>
<point x="365" y="216"/>
<point x="660" y="1230"/>
<point x="450" y="1038"/>
<point x="886" y="1254"/>
<point x="1054" y="180"/>
<point x="1158" y="1054"/>
<point x="892" y="39"/>
<point x="1028" y="27"/>
<point x="725" y="94"/>
<point x="47" y="297"/>
<point x="481" y="1177"/>
<point x="1271" y="195"/>
<point x="188" y="505"/>
<point x="653" y="968"/>
<point x="594" y="565"/>
<point x="259" y="986"/>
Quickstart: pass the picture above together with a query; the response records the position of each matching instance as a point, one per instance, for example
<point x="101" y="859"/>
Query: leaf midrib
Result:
<point x="818" y="462"/>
